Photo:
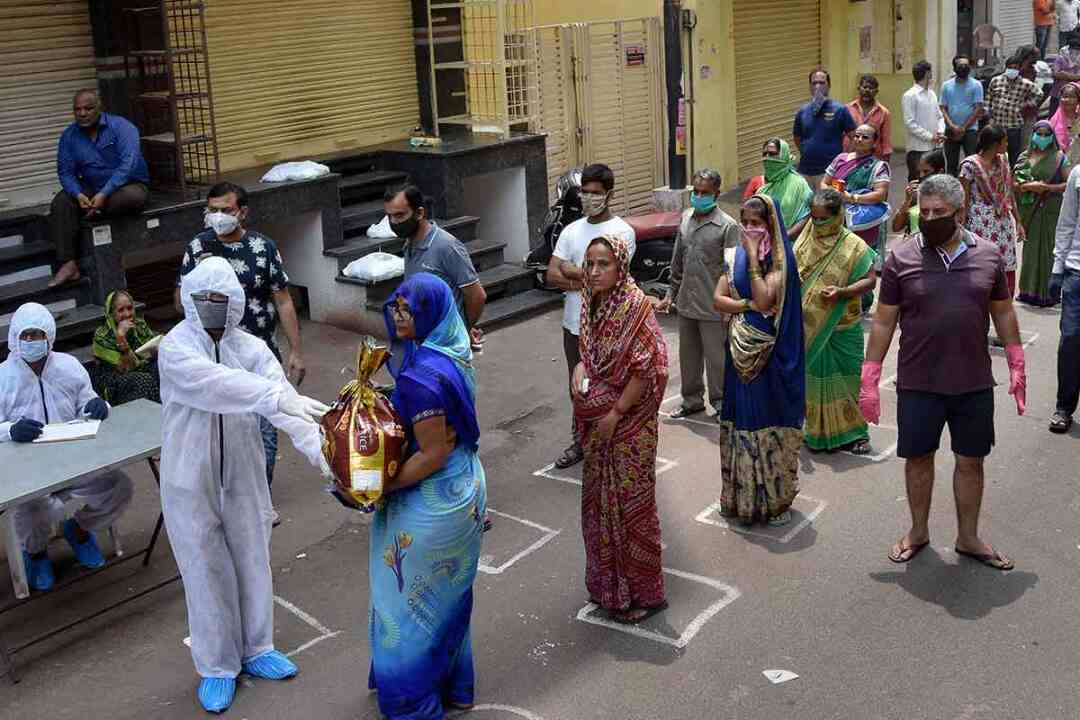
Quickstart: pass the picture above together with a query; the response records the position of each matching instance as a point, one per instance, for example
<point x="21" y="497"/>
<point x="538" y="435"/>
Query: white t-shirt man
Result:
<point x="573" y="242"/>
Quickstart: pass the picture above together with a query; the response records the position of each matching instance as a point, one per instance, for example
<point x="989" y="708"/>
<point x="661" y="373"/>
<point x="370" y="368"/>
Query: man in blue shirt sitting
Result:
<point x="102" y="172"/>
<point x="820" y="127"/>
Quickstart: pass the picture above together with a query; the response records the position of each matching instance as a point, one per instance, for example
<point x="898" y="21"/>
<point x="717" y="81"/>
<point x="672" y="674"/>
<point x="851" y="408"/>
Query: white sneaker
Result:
<point x="277" y="518"/>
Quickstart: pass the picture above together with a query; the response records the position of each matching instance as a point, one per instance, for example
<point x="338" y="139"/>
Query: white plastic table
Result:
<point x="131" y="433"/>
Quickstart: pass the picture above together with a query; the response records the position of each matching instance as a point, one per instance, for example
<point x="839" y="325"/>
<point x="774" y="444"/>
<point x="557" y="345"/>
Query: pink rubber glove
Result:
<point x="869" y="393"/>
<point x="1017" y="376"/>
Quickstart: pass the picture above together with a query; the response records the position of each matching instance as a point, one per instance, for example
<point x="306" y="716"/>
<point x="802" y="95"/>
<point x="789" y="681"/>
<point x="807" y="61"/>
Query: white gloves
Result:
<point x="301" y="406"/>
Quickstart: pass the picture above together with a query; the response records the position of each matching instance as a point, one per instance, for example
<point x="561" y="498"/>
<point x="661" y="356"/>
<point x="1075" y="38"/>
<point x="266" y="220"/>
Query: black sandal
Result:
<point x="685" y="412"/>
<point x="1060" y="423"/>
<point x="571" y="456"/>
<point x="627" y="617"/>
<point x="859" y="447"/>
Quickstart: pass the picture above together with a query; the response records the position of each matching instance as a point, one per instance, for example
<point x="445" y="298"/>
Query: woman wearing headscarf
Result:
<point x="1040" y="177"/>
<point x="426" y="537"/>
<point x="761" y="422"/>
<point x="122" y="374"/>
<point x="784" y="184"/>
<point x="1066" y="120"/>
<point x="618" y="387"/>
<point x="835" y="268"/>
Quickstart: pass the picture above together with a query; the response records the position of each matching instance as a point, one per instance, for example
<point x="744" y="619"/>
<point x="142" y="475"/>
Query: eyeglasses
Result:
<point x="859" y="136"/>
<point x="400" y="312"/>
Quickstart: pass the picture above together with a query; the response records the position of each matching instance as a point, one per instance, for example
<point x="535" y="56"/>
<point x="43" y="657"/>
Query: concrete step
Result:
<point x="83" y="320"/>
<point x="24" y="255"/>
<point x="358" y="217"/>
<point x="518" y="307"/>
<point x="464" y="228"/>
<point x="368" y="185"/>
<point x="484" y="256"/>
<point x="348" y="162"/>
<point x="38" y="290"/>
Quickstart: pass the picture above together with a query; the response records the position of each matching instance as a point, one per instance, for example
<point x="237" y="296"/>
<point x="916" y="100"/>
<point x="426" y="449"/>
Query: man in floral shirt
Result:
<point x="258" y="266"/>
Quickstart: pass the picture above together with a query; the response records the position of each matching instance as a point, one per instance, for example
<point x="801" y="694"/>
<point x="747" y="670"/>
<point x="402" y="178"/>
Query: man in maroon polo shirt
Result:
<point x="943" y="286"/>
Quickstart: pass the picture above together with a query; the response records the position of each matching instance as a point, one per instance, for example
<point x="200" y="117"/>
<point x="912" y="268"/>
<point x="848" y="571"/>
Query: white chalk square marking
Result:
<point x="573" y="474"/>
<point x="783" y="535"/>
<point x="487" y="561"/>
<point x="325" y="633"/>
<point x="729" y="594"/>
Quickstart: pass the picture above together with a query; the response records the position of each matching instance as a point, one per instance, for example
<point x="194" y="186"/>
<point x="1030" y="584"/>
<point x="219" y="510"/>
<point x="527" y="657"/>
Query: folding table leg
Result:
<point x="7" y="663"/>
<point x="14" y="553"/>
<point x="153" y="539"/>
<point x="114" y="539"/>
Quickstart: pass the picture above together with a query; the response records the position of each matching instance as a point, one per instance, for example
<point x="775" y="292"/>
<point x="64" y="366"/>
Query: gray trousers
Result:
<point x="702" y="350"/>
<point x="106" y="497"/>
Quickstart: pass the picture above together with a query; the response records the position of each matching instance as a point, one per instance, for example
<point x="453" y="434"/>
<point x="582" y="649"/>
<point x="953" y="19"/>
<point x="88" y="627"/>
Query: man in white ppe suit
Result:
<point x="216" y="381"/>
<point x="40" y="386"/>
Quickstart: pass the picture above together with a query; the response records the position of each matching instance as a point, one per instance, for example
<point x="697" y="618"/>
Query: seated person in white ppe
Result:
<point x="216" y="381"/>
<point x="40" y="386"/>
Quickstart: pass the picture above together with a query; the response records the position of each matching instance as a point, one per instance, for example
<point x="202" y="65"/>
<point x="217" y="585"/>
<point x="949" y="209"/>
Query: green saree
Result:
<point x="1039" y="214"/>
<point x="833" y="336"/>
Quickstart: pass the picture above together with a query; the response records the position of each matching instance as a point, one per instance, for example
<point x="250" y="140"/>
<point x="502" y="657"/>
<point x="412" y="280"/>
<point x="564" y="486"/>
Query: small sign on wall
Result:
<point x="635" y="55"/>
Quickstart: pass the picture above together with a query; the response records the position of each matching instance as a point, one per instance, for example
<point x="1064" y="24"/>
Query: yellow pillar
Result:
<point x="711" y="62"/>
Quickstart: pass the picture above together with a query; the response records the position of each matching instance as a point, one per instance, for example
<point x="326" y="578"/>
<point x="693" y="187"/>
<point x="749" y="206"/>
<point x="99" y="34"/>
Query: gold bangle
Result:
<point x="754" y="273"/>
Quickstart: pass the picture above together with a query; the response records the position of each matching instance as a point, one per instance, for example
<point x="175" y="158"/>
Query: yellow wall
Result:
<point x="550" y="12"/>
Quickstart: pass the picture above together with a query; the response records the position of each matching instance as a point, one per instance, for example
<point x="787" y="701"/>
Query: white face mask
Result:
<point x="33" y="350"/>
<point x="222" y="223"/>
<point x="1012" y="73"/>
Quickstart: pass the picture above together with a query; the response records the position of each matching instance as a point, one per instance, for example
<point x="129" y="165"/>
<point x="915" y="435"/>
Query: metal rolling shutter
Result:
<point x="777" y="44"/>
<point x="557" y="103"/>
<point x="46" y="55"/>
<point x="1015" y="20"/>
<point x="294" y="79"/>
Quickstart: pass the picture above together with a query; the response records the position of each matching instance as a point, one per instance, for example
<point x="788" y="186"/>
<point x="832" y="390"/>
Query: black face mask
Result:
<point x="963" y="72"/>
<point x="938" y="231"/>
<point x="405" y="228"/>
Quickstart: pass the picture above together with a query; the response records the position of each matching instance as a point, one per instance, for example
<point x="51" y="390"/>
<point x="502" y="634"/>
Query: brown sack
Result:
<point x="364" y="439"/>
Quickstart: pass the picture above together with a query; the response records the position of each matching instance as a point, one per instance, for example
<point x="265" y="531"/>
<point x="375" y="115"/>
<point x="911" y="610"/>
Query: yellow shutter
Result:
<point x="46" y="55"/>
<point x="294" y="79"/>
<point x="777" y="44"/>
<point x="556" y="104"/>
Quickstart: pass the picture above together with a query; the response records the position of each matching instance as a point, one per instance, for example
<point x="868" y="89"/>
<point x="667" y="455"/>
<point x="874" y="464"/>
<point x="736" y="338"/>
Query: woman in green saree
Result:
<point x="1039" y="177"/>
<point x="835" y="267"/>
<point x="786" y="186"/>
<point x="122" y="374"/>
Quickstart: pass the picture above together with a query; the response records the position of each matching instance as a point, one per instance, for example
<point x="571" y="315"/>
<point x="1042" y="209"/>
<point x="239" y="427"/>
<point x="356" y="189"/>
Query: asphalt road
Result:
<point x="939" y="638"/>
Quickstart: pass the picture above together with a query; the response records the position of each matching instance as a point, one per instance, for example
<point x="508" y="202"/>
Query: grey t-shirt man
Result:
<point x="442" y="254"/>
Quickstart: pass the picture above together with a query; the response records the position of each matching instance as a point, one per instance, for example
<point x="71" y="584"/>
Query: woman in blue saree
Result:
<point x="761" y="419"/>
<point x="426" y="537"/>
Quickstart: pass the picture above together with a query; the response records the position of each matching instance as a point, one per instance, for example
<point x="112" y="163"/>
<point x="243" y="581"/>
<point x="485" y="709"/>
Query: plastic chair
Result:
<point x="988" y="42"/>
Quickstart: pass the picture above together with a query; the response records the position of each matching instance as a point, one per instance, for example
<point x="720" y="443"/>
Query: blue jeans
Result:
<point x="269" y="438"/>
<point x="1069" y="345"/>
<point x="1042" y="39"/>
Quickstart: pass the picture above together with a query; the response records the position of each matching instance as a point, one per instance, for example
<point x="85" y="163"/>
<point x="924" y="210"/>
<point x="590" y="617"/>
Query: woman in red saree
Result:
<point x="618" y="388"/>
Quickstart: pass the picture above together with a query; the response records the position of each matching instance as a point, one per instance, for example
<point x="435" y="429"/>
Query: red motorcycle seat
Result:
<point x="654" y="225"/>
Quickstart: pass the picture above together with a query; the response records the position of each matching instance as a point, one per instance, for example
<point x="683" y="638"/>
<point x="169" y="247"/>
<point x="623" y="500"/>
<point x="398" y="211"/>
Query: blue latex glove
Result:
<point x="1056" y="281"/>
<point x="97" y="409"/>
<point x="25" y="430"/>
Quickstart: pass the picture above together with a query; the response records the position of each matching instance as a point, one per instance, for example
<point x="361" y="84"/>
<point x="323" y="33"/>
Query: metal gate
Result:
<point x="600" y="92"/>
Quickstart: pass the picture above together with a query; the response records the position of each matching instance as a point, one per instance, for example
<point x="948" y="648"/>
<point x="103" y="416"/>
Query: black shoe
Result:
<point x="571" y="456"/>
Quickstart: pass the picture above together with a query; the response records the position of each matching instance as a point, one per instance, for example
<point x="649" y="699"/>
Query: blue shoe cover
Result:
<point x="39" y="572"/>
<point x="270" y="666"/>
<point x="216" y="694"/>
<point x="87" y="553"/>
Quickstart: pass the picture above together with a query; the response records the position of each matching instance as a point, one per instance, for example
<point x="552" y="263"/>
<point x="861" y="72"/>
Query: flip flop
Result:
<point x="1060" y="423"/>
<point x="906" y="554"/>
<point x="649" y="612"/>
<point x="684" y="412"/>
<point x="859" y="447"/>
<point x="992" y="559"/>
<point x="571" y="456"/>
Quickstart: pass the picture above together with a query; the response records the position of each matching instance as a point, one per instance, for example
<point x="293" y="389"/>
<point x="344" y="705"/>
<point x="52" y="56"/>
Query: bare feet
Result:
<point x="68" y="272"/>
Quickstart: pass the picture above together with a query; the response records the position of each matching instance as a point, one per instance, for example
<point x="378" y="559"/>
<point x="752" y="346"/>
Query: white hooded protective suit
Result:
<point x="213" y="473"/>
<point x="58" y="395"/>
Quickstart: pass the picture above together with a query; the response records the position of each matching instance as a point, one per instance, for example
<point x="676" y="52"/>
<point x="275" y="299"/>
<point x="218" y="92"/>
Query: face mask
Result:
<point x="212" y="313"/>
<point x="1012" y="73"/>
<point x="817" y="97"/>
<point x="405" y="228"/>
<point x="963" y="72"/>
<point x="826" y="227"/>
<point x="774" y="167"/>
<point x="1042" y="141"/>
<point x="593" y="204"/>
<point x="939" y="230"/>
<point x="222" y="223"/>
<point x="702" y="204"/>
<point x="33" y="350"/>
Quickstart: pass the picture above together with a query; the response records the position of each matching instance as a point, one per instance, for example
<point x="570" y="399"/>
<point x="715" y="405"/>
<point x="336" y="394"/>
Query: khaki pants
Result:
<point x="702" y="349"/>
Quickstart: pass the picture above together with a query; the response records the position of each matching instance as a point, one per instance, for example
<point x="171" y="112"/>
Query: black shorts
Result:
<point x="922" y="416"/>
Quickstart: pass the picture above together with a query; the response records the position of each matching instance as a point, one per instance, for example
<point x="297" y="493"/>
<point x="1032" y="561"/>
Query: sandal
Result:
<point x="780" y="520"/>
<point x="992" y="559"/>
<point x="684" y="412"/>
<point x="633" y="616"/>
<point x="901" y="554"/>
<point x="1060" y="423"/>
<point x="571" y="456"/>
<point x="859" y="447"/>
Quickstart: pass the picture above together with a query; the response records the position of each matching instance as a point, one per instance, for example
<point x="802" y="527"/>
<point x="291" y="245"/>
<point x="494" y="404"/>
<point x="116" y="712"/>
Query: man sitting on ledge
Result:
<point x="102" y="171"/>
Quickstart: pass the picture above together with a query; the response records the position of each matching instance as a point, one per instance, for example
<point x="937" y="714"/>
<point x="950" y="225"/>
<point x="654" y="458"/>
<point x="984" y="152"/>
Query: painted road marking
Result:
<point x="325" y="633"/>
<point x="549" y="471"/>
<point x="711" y="516"/>
<point x="520" y="712"/>
<point x="730" y="595"/>
<point x="548" y="535"/>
